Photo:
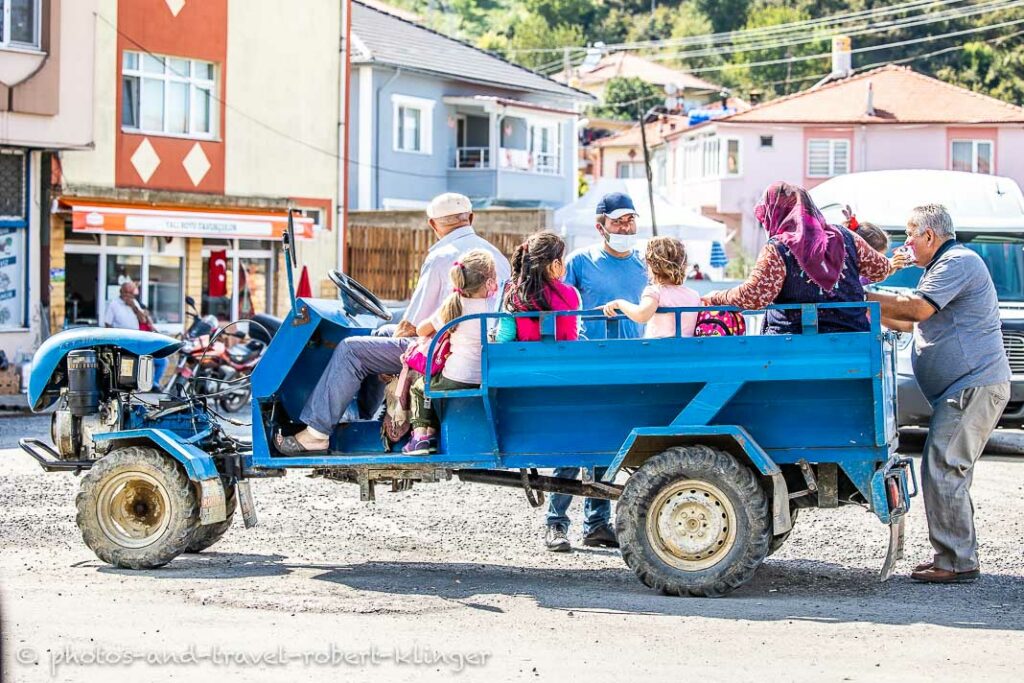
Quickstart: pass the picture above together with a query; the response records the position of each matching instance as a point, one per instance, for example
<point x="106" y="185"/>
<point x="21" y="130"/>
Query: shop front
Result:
<point x="228" y="261"/>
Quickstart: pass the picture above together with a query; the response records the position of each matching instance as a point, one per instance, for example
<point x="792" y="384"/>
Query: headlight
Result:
<point x="187" y="346"/>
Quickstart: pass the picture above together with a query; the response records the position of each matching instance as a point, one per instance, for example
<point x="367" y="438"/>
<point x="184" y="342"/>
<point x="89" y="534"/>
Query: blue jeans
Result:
<point x="596" y="511"/>
<point x="159" y="365"/>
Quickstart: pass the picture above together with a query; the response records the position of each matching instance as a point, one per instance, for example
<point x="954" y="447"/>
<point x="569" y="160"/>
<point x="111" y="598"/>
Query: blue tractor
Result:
<point x="712" y="445"/>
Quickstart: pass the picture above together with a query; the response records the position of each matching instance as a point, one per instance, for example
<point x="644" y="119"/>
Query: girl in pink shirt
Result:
<point x="538" y="267"/>
<point x="666" y="268"/>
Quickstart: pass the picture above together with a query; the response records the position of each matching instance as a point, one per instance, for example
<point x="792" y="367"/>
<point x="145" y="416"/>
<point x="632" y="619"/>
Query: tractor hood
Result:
<point x="43" y="387"/>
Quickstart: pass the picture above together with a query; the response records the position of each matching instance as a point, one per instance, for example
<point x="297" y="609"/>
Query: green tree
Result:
<point x="776" y="70"/>
<point x="725" y="15"/>
<point x="989" y="69"/>
<point x="534" y="33"/>
<point x="625" y="98"/>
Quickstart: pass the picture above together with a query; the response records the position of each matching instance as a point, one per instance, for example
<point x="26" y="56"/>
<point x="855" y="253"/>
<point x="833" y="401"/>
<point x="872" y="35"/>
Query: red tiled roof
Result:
<point x="656" y="131"/>
<point x="624" y="64"/>
<point x="899" y="95"/>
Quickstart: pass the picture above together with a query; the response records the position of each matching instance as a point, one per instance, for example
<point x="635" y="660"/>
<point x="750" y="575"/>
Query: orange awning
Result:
<point x="168" y="221"/>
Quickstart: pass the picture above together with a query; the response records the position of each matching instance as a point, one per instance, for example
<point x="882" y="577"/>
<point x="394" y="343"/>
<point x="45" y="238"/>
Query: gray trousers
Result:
<point x="354" y="360"/>
<point x="960" y="427"/>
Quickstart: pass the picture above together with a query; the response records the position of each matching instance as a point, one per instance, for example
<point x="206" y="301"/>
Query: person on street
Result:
<point x="806" y="261"/>
<point x="963" y="371"/>
<point x="611" y="269"/>
<point x="126" y="312"/>
<point x="355" y="359"/>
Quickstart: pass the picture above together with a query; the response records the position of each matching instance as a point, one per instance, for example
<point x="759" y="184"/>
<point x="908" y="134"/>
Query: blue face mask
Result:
<point x="619" y="242"/>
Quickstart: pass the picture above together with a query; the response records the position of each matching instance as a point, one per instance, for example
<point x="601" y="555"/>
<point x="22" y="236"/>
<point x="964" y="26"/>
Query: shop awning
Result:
<point x="165" y="221"/>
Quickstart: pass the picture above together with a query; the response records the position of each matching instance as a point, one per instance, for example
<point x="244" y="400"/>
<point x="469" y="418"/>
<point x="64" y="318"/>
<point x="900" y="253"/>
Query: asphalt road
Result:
<point x="451" y="577"/>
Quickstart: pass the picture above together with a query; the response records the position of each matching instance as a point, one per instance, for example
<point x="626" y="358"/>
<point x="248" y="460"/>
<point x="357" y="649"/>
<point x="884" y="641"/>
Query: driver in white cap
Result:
<point x="450" y="216"/>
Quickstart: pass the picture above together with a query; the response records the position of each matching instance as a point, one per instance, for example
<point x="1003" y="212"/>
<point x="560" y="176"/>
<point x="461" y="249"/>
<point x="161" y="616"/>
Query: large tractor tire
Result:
<point x="208" y="534"/>
<point x="137" y="508"/>
<point x="778" y="540"/>
<point x="693" y="521"/>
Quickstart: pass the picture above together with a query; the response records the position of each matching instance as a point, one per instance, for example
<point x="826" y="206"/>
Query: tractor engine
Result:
<point x="92" y="403"/>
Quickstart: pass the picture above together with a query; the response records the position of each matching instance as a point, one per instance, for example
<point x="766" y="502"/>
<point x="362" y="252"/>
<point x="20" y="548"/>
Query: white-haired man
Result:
<point x="962" y="369"/>
<point x="355" y="359"/>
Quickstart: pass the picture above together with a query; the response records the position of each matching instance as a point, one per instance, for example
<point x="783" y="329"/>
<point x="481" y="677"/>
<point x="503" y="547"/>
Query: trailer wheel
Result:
<point x="208" y="534"/>
<point x="693" y="521"/>
<point x="137" y="509"/>
<point x="778" y="540"/>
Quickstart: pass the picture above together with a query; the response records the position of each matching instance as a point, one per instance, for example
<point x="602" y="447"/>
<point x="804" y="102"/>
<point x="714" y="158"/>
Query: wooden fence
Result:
<point x="387" y="260"/>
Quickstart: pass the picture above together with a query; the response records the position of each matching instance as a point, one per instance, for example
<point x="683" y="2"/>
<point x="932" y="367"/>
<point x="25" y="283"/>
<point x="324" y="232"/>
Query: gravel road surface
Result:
<point x="451" y="578"/>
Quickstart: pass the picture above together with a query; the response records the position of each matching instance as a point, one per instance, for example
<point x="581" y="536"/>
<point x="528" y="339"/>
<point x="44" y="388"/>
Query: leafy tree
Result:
<point x="625" y="98"/>
<point x="989" y="69"/>
<point x="725" y="15"/>
<point x="775" y="70"/>
<point x="535" y="32"/>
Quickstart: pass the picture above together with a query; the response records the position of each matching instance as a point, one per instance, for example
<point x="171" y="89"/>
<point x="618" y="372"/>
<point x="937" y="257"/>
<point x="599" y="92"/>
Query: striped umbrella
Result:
<point x="718" y="257"/>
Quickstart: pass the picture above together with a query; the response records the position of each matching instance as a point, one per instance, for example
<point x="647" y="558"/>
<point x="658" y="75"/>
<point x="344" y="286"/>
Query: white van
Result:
<point x="988" y="214"/>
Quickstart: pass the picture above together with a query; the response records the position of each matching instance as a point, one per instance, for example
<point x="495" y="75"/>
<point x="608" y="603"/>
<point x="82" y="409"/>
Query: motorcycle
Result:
<point x="196" y="356"/>
<point x="235" y="362"/>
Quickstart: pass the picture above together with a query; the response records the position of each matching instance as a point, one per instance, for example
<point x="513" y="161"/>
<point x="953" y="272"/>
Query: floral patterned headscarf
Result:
<point x="790" y="216"/>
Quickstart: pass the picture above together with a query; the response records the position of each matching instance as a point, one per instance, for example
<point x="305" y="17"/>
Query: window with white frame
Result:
<point x="733" y="163"/>
<point x="167" y="95"/>
<point x="630" y="169"/>
<point x="972" y="156"/>
<point x="413" y="124"/>
<point x="710" y="156"/>
<point x="21" y="22"/>
<point x="827" y="157"/>
<point x="545" y="148"/>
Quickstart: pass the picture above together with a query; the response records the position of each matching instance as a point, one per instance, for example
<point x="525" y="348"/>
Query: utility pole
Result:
<point x="566" y="64"/>
<point x="647" y="167"/>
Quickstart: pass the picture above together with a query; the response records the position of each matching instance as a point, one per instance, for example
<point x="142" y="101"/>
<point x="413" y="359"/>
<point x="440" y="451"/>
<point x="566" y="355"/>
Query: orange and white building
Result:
<point x="210" y="118"/>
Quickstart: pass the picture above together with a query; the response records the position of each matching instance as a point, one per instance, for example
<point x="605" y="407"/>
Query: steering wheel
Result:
<point x="359" y="295"/>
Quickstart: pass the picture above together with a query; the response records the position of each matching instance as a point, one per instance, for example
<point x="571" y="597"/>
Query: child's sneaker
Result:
<point x="423" y="445"/>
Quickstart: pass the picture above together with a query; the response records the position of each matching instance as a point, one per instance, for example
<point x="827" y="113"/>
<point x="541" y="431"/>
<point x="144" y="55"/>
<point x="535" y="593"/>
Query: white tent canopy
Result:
<point x="576" y="221"/>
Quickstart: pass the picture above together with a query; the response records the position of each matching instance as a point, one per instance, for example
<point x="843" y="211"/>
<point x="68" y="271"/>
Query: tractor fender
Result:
<point x="199" y="466"/>
<point x="646" y="442"/>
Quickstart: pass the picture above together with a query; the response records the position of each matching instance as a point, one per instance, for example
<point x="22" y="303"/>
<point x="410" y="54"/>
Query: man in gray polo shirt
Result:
<point x="962" y="369"/>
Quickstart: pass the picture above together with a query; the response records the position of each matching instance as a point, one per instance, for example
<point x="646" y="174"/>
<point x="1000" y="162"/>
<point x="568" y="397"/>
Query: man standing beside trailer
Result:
<point x="611" y="269"/>
<point x="962" y="369"/>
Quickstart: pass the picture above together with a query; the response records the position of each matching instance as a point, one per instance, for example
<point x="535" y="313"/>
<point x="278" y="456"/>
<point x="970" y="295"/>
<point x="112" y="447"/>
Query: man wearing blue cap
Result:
<point x="611" y="269"/>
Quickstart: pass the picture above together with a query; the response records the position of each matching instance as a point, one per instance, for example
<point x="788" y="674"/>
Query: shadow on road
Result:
<point x="782" y="590"/>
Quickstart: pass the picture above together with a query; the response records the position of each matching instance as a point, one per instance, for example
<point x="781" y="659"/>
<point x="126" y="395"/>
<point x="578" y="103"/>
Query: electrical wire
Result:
<point x="786" y="27"/>
<point x="988" y="7"/>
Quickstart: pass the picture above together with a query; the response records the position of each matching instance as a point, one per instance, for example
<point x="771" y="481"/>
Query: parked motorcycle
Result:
<point x="196" y="357"/>
<point x="232" y="363"/>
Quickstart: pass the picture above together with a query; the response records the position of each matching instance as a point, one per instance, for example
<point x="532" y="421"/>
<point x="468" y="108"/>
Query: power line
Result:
<point x="743" y="33"/>
<point x="909" y="22"/>
<point x="987" y="7"/>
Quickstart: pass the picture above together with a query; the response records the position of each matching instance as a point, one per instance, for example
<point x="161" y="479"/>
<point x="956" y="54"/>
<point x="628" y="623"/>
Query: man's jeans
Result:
<point x="596" y="511"/>
<point x="959" y="429"/>
<point x="354" y="360"/>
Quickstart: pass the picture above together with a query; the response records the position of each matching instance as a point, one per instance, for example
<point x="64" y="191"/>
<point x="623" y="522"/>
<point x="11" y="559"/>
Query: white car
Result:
<point x="988" y="214"/>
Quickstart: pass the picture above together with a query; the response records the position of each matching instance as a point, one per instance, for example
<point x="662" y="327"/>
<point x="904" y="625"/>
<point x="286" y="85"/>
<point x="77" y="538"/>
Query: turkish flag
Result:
<point x="218" y="274"/>
<point x="304" y="290"/>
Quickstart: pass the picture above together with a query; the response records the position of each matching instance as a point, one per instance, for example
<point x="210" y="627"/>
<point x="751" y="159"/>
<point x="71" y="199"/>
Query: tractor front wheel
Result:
<point x="693" y="521"/>
<point x="137" y="508"/>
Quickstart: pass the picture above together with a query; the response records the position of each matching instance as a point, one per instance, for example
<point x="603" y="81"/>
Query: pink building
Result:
<point x="887" y="118"/>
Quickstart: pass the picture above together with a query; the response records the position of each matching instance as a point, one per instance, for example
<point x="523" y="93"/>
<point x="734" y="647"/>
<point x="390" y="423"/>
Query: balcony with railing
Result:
<point x="472" y="157"/>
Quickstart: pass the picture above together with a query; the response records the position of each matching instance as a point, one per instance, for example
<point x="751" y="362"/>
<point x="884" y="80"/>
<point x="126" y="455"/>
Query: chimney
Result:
<point x="842" y="62"/>
<point x="870" y="111"/>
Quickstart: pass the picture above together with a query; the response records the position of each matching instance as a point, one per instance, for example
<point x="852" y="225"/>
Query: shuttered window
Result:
<point x="827" y="158"/>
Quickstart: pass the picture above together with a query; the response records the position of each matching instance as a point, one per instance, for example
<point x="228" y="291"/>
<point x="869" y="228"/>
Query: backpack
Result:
<point x="720" y="324"/>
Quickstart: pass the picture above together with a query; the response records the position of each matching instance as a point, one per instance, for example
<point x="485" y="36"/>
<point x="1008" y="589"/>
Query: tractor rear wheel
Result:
<point x="693" y="521"/>
<point x="208" y="534"/>
<point x="137" y="508"/>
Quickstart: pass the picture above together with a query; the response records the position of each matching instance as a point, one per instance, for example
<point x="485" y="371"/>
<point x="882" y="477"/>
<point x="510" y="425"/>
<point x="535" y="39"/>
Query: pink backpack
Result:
<point x="720" y="324"/>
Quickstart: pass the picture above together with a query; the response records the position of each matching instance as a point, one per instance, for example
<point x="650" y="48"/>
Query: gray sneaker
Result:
<point x="555" y="539"/>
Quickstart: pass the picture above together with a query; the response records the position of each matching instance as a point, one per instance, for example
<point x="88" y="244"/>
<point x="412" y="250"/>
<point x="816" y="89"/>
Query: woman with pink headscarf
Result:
<point x="806" y="261"/>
